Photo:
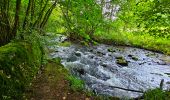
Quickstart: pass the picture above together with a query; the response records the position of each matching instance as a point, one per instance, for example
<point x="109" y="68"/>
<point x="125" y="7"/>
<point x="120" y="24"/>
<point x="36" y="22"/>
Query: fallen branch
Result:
<point x="127" y="89"/>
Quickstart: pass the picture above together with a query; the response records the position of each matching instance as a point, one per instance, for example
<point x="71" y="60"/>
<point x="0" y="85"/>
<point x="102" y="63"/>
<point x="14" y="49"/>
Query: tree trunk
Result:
<point x="16" y="21"/>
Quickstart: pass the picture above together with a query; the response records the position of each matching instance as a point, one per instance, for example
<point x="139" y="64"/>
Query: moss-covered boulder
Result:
<point x="19" y="62"/>
<point x="121" y="61"/>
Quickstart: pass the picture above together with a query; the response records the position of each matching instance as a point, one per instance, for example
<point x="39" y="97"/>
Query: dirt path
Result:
<point x="51" y="84"/>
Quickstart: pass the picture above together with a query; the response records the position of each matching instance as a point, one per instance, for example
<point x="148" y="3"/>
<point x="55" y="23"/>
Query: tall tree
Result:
<point x="15" y="17"/>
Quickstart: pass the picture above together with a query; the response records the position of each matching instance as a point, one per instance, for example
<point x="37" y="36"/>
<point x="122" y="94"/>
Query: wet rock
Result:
<point x="161" y="63"/>
<point x="81" y="71"/>
<point x="78" y="54"/>
<point x="130" y="55"/>
<point x="72" y="59"/>
<point x="165" y="59"/>
<point x="104" y="65"/>
<point x="91" y="56"/>
<point x="150" y="54"/>
<point x="167" y="82"/>
<point x="78" y="71"/>
<point x="110" y="55"/>
<point x="91" y="50"/>
<point x="135" y="58"/>
<point x="99" y="53"/>
<point x="119" y="57"/>
<point x="122" y="62"/>
<point x="167" y="74"/>
<point x="111" y="50"/>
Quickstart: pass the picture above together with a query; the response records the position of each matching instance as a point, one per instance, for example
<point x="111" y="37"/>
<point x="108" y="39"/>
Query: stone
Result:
<point x="135" y="58"/>
<point x="72" y="59"/>
<point x="167" y="82"/>
<point x="98" y="53"/>
<point x="87" y="99"/>
<point x="119" y="57"/>
<point x="78" y="54"/>
<point x="91" y="50"/>
<point x="81" y="71"/>
<point x="111" y="50"/>
<point x="122" y="62"/>
<point x="64" y="98"/>
<point x="104" y="65"/>
<point x="130" y="55"/>
<point x="161" y="63"/>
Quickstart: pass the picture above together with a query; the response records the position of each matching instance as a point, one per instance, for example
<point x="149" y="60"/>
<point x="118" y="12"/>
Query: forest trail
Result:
<point x="51" y="84"/>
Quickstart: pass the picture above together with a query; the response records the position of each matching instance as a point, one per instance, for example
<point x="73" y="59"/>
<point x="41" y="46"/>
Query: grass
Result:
<point x="145" y="41"/>
<point x="65" y="44"/>
<point x="75" y="83"/>
<point x="157" y="94"/>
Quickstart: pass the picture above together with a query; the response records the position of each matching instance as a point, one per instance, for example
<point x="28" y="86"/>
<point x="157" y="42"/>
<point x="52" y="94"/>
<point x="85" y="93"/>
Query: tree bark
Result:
<point x="16" y="21"/>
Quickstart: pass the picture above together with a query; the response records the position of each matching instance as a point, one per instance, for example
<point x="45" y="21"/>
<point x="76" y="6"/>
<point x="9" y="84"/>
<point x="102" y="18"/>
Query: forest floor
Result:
<point x="51" y="84"/>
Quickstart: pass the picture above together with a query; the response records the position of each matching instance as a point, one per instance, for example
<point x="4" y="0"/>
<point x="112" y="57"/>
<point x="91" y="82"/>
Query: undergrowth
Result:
<point x="140" y="40"/>
<point x="75" y="83"/>
<point x="19" y="63"/>
<point x="157" y="94"/>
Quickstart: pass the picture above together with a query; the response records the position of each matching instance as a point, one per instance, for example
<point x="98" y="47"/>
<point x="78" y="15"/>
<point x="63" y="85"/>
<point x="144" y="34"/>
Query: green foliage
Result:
<point x="148" y="16"/>
<point x="23" y="16"/>
<point x="156" y="94"/>
<point x="82" y="18"/>
<point x="55" y="23"/>
<point x="75" y="83"/>
<point x="19" y="63"/>
<point x="65" y="44"/>
<point x="140" y="23"/>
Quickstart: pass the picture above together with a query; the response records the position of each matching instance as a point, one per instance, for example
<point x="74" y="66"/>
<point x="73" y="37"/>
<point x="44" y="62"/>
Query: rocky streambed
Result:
<point x="114" y="70"/>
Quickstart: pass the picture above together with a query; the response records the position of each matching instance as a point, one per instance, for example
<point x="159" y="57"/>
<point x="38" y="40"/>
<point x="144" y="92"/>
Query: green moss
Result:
<point x="55" y="70"/>
<point x="121" y="61"/>
<point x="19" y="62"/>
<point x="65" y="44"/>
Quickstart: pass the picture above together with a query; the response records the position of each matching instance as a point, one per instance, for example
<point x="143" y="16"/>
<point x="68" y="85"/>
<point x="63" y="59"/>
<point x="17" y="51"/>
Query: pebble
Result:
<point x="64" y="98"/>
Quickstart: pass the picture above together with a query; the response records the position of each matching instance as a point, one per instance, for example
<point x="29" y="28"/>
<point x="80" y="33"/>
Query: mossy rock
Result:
<point x="135" y="58"/>
<point x="122" y="62"/>
<point x="65" y="44"/>
<point x="19" y="63"/>
<point x="111" y="50"/>
<point x="119" y="57"/>
<point x="78" y="54"/>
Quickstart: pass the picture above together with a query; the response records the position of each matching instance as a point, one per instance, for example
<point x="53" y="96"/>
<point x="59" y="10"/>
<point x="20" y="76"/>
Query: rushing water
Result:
<point x="98" y="67"/>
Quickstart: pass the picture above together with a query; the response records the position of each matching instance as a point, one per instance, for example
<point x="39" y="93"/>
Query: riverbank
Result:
<point x="52" y="83"/>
